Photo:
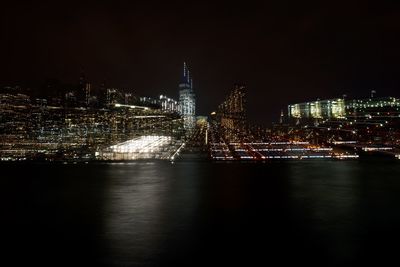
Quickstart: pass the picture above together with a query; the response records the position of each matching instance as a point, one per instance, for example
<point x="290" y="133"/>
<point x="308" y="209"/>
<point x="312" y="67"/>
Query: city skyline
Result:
<point x="45" y="89"/>
<point x="283" y="52"/>
<point x="199" y="133"/>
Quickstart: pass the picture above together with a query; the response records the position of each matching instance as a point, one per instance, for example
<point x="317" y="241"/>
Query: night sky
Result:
<point x="284" y="51"/>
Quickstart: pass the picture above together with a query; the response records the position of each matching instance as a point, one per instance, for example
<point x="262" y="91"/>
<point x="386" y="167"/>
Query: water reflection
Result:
<point x="148" y="207"/>
<point x="329" y="194"/>
<point x="325" y="204"/>
<point x="197" y="213"/>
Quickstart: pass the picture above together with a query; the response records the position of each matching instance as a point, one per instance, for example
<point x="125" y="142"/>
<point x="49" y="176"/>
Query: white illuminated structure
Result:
<point x="168" y="104"/>
<point x="331" y="108"/>
<point x="187" y="99"/>
<point x="143" y="144"/>
<point x="143" y="147"/>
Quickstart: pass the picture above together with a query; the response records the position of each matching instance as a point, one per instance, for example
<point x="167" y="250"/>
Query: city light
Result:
<point x="376" y="148"/>
<point x="173" y="157"/>
<point x="143" y="144"/>
<point x="121" y="126"/>
<point x="130" y="106"/>
<point x="143" y="147"/>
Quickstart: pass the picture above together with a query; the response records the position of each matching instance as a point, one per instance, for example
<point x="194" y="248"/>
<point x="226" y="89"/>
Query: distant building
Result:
<point x="149" y="102"/>
<point x="84" y="91"/>
<point x="111" y="96"/>
<point x="187" y="100"/>
<point x="341" y="108"/>
<point x="88" y="88"/>
<point x="201" y="120"/>
<point x="381" y="104"/>
<point x="168" y="104"/>
<point x="320" y="109"/>
<point x="33" y="128"/>
<point x="70" y="99"/>
<point x="232" y="114"/>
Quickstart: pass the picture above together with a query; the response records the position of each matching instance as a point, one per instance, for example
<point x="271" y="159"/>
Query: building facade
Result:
<point x="320" y="109"/>
<point x="342" y="108"/>
<point x="232" y="114"/>
<point x="187" y="99"/>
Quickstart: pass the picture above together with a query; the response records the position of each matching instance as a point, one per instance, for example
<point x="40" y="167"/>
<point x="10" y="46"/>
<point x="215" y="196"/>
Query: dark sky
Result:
<point x="284" y="51"/>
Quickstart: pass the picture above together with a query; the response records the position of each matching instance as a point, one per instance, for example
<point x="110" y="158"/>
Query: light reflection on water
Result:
<point x="133" y="209"/>
<point x="144" y="207"/>
<point x="193" y="213"/>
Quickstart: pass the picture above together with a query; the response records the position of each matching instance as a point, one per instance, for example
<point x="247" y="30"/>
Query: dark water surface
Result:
<point x="321" y="213"/>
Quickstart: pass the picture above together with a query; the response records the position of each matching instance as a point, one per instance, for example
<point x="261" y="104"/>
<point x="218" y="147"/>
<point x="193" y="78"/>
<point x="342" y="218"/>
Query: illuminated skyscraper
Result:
<point x="84" y="89"/>
<point x="187" y="100"/>
<point x="88" y="87"/>
<point x="232" y="114"/>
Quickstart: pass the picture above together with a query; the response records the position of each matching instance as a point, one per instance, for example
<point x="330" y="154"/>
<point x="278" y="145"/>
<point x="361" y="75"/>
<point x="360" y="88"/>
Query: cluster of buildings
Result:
<point x="82" y="125"/>
<point x="114" y="124"/>
<point x="323" y="129"/>
<point x="341" y="108"/>
<point x="368" y="126"/>
<point x="231" y="115"/>
<point x="232" y="138"/>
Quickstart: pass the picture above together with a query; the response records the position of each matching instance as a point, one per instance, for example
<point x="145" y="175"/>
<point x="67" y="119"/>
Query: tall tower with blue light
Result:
<point x="187" y="98"/>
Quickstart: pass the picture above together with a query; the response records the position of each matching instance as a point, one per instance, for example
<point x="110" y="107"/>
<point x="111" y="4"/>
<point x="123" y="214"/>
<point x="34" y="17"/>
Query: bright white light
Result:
<point x="177" y="152"/>
<point x="376" y="148"/>
<point x="143" y="144"/>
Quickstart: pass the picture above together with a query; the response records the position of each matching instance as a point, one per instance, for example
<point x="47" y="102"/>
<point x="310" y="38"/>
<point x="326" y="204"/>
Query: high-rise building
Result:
<point x="187" y="100"/>
<point x="232" y="114"/>
<point x="87" y="93"/>
<point x="84" y="90"/>
<point x="81" y="92"/>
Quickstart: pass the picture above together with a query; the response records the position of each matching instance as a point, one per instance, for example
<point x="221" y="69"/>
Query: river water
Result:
<point x="321" y="213"/>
